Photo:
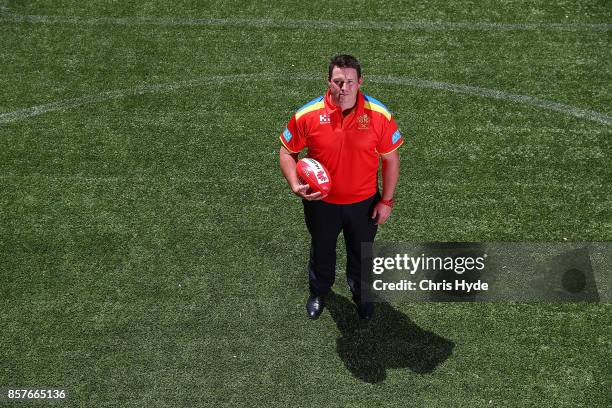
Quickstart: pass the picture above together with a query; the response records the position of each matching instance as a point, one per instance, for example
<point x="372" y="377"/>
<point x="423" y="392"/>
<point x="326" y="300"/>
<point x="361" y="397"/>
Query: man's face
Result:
<point x="344" y="84"/>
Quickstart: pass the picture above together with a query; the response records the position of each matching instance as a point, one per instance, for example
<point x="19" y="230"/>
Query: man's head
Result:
<point x="344" y="78"/>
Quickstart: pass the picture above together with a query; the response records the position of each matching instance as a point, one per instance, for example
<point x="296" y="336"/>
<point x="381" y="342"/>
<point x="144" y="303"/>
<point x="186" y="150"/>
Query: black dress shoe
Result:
<point x="314" y="306"/>
<point x="365" y="310"/>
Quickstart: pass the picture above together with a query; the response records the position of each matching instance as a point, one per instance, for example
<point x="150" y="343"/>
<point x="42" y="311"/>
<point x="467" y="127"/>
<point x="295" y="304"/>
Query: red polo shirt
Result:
<point x="348" y="146"/>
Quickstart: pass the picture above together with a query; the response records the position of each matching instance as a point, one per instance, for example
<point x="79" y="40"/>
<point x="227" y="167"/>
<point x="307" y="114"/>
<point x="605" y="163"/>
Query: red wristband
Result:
<point x="388" y="203"/>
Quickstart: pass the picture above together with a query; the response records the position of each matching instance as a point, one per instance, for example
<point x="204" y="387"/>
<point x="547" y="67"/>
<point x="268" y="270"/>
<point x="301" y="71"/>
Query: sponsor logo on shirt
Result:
<point x="323" y="119"/>
<point x="395" y="137"/>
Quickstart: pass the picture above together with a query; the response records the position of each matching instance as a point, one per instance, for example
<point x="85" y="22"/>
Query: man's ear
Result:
<point x="360" y="81"/>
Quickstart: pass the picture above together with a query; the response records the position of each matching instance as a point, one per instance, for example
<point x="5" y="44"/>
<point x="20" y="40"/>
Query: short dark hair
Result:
<point x="343" y="61"/>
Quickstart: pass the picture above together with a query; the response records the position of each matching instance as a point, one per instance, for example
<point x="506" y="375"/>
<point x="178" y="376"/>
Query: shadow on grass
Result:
<point x="389" y="340"/>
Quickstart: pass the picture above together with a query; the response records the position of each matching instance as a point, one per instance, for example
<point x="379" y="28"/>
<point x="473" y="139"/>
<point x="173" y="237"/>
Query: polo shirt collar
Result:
<point x="332" y="108"/>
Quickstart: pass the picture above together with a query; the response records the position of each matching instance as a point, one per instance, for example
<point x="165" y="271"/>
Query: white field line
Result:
<point x="65" y="104"/>
<point x="6" y="15"/>
<point x="119" y="94"/>
<point x="495" y="94"/>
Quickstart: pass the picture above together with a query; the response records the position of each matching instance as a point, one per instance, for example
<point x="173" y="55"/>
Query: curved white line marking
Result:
<point x="214" y="80"/>
<point x="119" y="94"/>
<point x="495" y="94"/>
<point x="6" y="15"/>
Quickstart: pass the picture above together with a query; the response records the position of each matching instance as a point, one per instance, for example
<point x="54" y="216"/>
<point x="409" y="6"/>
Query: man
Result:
<point x="347" y="132"/>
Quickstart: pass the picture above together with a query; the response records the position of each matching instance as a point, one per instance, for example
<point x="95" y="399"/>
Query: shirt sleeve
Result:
<point x="390" y="138"/>
<point x="293" y="137"/>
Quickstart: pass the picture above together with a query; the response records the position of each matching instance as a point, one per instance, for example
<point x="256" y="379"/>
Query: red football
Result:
<point x="315" y="174"/>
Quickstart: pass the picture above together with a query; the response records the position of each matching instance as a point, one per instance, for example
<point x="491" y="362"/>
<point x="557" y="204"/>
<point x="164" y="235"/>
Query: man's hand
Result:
<point x="287" y="165"/>
<point x="380" y="213"/>
<point x="301" y="190"/>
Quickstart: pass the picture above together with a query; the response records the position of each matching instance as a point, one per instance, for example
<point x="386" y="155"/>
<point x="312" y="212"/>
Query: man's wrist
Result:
<point x="388" y="203"/>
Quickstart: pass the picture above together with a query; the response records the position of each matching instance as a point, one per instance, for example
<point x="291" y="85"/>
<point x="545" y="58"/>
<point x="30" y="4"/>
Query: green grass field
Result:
<point x="153" y="255"/>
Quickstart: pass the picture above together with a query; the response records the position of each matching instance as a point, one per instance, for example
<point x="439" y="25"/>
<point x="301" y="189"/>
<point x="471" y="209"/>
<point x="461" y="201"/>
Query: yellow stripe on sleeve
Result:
<point x="394" y="149"/>
<point x="310" y="108"/>
<point x="377" y="108"/>
<point x="285" y="144"/>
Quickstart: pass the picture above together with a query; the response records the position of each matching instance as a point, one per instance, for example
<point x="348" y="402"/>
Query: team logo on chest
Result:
<point x="323" y="119"/>
<point x="363" y="122"/>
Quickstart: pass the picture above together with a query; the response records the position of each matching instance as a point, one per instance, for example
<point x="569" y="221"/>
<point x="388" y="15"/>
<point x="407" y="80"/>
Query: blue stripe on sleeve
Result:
<point x="377" y="102"/>
<point x="316" y="100"/>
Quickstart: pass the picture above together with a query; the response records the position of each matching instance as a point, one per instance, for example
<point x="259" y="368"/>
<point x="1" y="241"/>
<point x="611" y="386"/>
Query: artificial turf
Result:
<point x="153" y="255"/>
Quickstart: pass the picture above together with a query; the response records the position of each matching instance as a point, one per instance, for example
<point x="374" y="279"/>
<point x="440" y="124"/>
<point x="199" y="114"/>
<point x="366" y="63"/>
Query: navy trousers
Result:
<point x="325" y="221"/>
